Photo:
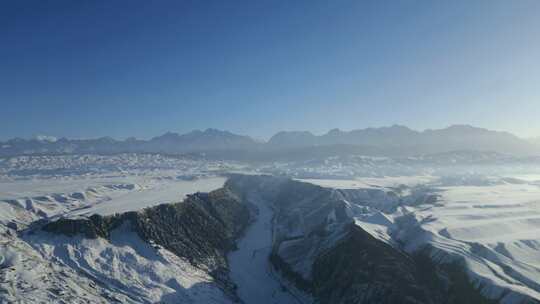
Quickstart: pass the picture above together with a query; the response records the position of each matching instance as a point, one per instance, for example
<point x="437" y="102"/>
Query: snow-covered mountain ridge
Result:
<point x="264" y="239"/>
<point x="168" y="253"/>
<point x="390" y="141"/>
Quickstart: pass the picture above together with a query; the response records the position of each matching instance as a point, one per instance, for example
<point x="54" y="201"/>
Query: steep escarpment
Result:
<point x="202" y="229"/>
<point x="371" y="271"/>
<point x="307" y="242"/>
<point x="320" y="248"/>
<point x="368" y="271"/>
<point x="91" y="227"/>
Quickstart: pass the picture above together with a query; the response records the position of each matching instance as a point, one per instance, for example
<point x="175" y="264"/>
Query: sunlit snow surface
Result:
<point x="154" y="193"/>
<point x="47" y="268"/>
<point x="44" y="268"/>
<point x="493" y="224"/>
<point x="47" y="186"/>
<point x="371" y="182"/>
<point x="27" y="200"/>
<point x="250" y="267"/>
<point x="497" y="228"/>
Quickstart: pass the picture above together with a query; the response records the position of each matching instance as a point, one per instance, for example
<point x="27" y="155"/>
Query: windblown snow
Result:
<point x="45" y="268"/>
<point x="250" y="267"/>
<point x="492" y="222"/>
<point x="496" y="228"/>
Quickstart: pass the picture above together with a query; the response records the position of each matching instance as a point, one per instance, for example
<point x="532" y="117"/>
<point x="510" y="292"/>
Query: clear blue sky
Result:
<point x="141" y="68"/>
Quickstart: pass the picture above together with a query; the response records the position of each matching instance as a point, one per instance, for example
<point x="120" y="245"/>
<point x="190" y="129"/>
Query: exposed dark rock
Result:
<point x="13" y="225"/>
<point x="346" y="264"/>
<point x="447" y="282"/>
<point x="202" y="229"/>
<point x="91" y="227"/>
<point x="362" y="269"/>
<point x="286" y="270"/>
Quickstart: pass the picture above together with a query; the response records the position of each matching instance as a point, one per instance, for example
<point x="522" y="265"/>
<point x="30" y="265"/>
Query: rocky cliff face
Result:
<point x="316" y="244"/>
<point x="202" y="229"/>
<point x="362" y="269"/>
<point x="319" y="249"/>
<point x="368" y="271"/>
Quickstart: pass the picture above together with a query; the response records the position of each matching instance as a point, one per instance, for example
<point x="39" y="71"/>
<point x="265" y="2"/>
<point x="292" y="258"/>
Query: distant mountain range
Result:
<point x="386" y="141"/>
<point x="402" y="140"/>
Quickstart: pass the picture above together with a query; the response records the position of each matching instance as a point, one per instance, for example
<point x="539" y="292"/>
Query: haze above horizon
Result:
<point x="90" y="69"/>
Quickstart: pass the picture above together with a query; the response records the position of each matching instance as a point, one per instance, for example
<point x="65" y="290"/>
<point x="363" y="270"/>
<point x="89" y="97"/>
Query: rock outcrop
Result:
<point x="320" y="249"/>
<point x="316" y="244"/>
<point x="202" y="229"/>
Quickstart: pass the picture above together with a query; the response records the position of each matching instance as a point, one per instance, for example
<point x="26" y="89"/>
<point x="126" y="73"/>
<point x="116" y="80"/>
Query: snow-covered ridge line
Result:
<point x="318" y="249"/>
<point x="95" y="165"/>
<point x="192" y="236"/>
<point x="48" y="268"/>
<point x="24" y="210"/>
<point x="25" y="201"/>
<point x="301" y="239"/>
<point x="489" y="225"/>
<point x="381" y="141"/>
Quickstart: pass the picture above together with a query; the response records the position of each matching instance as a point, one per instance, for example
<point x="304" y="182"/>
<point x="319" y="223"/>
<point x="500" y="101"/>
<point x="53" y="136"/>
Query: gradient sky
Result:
<point x="141" y="68"/>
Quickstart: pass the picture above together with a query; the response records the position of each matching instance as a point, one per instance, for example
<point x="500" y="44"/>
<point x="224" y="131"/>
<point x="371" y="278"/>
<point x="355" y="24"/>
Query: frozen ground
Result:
<point x="48" y="268"/>
<point x="372" y="182"/>
<point x="496" y="228"/>
<point x="27" y="200"/>
<point x="491" y="222"/>
<point x="153" y="193"/>
<point x="35" y="187"/>
<point x="43" y="268"/>
<point x="250" y="267"/>
<point x="87" y="165"/>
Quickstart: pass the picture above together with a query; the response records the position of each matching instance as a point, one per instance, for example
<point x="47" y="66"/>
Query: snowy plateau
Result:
<point x="155" y="228"/>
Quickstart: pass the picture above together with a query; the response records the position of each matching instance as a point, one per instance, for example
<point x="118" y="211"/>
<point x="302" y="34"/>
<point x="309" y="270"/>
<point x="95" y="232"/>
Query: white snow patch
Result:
<point x="249" y="264"/>
<point x="124" y="268"/>
<point x="371" y="182"/>
<point x="24" y="201"/>
<point x="496" y="228"/>
<point x="155" y="193"/>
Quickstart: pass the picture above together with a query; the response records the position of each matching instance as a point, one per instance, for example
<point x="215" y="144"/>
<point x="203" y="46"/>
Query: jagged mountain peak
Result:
<point x="395" y="140"/>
